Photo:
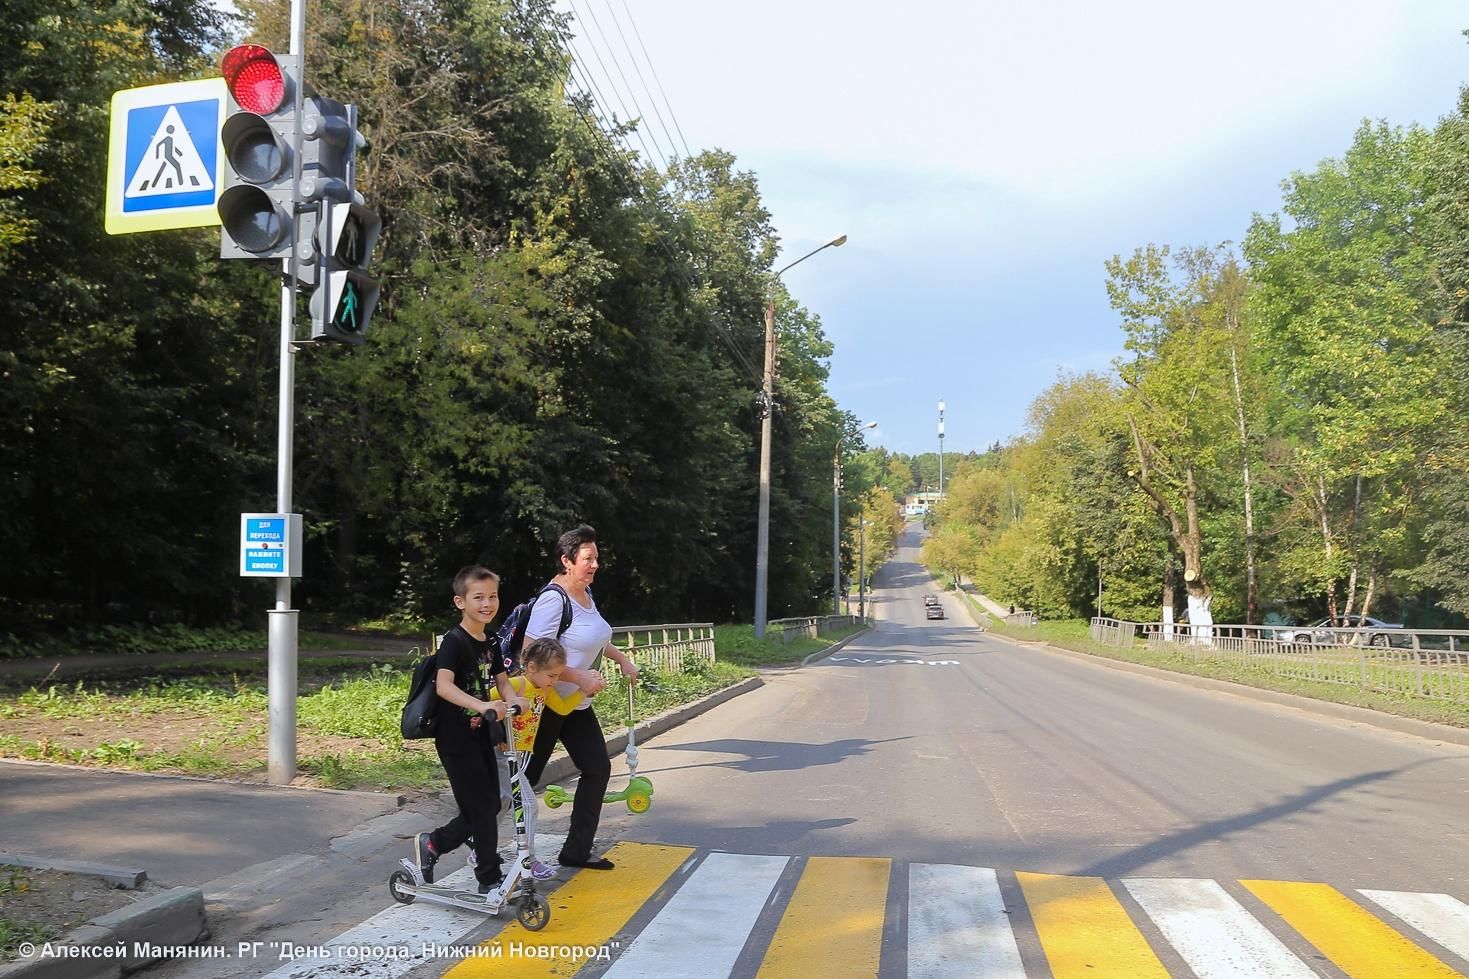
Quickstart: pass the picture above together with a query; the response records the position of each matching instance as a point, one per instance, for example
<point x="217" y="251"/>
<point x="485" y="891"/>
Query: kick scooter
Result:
<point x="518" y="888"/>
<point x="639" y="792"/>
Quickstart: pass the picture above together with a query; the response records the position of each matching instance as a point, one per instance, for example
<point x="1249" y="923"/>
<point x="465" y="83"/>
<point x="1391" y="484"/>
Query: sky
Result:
<point x="986" y="159"/>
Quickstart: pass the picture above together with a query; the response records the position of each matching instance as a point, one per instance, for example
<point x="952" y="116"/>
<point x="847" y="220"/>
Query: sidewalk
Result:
<point x="992" y="607"/>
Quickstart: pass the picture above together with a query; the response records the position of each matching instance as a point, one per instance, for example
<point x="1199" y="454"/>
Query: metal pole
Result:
<point x="283" y="625"/>
<point x="836" y="529"/>
<point x="767" y="408"/>
<point x="862" y="573"/>
<point x="941" y="450"/>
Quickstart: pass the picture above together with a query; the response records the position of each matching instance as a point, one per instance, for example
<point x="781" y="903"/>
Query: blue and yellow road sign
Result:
<point x="164" y="158"/>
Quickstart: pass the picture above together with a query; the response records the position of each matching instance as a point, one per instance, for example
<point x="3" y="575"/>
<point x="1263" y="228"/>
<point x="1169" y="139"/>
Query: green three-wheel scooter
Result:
<point x="639" y="792"/>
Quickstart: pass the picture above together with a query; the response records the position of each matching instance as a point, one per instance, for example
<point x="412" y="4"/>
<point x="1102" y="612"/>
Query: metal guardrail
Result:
<point x="1428" y="663"/>
<point x="1022" y="618"/>
<point x="811" y="626"/>
<point x="667" y="646"/>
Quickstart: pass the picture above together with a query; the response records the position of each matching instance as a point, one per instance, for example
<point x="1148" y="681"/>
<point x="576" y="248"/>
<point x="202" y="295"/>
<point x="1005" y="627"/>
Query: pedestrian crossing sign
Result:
<point x="164" y="159"/>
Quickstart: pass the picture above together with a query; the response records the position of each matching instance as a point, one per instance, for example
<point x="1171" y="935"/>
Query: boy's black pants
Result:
<point x="474" y="777"/>
<point x="581" y="733"/>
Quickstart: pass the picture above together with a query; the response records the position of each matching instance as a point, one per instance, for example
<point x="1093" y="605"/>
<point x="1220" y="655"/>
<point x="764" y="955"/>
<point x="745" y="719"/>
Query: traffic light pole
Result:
<point x="282" y="662"/>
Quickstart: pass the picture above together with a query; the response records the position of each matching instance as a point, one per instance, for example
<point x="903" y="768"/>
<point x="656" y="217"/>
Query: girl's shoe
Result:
<point x="541" y="871"/>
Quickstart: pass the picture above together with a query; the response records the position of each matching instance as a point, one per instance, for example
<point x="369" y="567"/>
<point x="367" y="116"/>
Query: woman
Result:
<point x="587" y="635"/>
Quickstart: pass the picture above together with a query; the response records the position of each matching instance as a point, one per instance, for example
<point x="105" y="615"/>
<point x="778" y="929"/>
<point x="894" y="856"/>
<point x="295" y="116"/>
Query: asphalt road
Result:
<point x="930" y="741"/>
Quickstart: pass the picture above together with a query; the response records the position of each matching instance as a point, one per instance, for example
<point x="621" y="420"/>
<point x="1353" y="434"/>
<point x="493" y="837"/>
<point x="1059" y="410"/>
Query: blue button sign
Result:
<point x="270" y="545"/>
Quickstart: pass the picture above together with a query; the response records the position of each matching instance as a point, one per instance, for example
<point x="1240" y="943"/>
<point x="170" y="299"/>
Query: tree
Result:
<point x="1362" y="390"/>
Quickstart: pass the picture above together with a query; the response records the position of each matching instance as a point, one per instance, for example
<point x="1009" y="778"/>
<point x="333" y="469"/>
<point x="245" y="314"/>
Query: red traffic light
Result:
<point x="254" y="78"/>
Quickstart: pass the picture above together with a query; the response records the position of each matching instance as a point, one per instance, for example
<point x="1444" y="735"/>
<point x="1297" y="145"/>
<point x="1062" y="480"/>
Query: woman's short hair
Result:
<point x="571" y="542"/>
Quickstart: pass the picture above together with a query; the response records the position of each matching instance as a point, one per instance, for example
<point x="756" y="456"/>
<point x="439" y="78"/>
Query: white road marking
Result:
<point x="1442" y="918"/>
<point x="957" y="924"/>
<point x="394" y="941"/>
<point x="706" y="922"/>
<point x="1213" y="932"/>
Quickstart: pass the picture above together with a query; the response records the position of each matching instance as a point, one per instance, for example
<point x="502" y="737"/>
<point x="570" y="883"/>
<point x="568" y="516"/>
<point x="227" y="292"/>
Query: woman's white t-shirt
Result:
<point x="583" y="639"/>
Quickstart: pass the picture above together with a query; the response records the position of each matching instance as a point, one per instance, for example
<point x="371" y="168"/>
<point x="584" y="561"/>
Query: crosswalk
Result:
<point x="708" y="908"/>
<point x="684" y="912"/>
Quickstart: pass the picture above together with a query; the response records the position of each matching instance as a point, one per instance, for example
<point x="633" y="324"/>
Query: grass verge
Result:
<point x="736" y="643"/>
<point x="1074" y="634"/>
<point x="209" y="719"/>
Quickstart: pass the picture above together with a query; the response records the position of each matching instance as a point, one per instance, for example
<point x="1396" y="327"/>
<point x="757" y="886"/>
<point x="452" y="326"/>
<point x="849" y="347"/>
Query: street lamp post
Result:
<point x="767" y="406"/>
<point x="862" y="572"/>
<point x="836" y="522"/>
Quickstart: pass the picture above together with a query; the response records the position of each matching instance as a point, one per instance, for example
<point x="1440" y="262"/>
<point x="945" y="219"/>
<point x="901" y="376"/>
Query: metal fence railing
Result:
<point x="667" y="646"/>
<point x="1433" y="664"/>
<point x="1022" y="618"/>
<point x="810" y="626"/>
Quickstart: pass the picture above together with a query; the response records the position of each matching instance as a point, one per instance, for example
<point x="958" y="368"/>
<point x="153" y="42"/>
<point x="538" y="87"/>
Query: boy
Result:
<point x="463" y="735"/>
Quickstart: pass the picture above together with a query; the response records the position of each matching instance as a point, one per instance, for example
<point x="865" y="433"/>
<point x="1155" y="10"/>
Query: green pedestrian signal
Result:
<point x="345" y="295"/>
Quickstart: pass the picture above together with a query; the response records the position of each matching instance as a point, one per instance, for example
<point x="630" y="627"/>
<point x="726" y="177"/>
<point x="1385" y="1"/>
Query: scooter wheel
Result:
<point x="533" y="912"/>
<point x="554" y="801"/>
<point x="638" y="803"/>
<point x="400" y="878"/>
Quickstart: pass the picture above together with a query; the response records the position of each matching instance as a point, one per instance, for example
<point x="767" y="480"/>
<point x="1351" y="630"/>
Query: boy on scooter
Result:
<point x="466" y="661"/>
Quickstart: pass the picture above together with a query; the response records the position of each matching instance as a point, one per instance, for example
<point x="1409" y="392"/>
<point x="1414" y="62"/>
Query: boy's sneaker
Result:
<point x="486" y="887"/>
<point x="424" y="856"/>
<point x="541" y="871"/>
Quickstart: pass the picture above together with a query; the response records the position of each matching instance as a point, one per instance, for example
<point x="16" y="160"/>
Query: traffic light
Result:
<point x="257" y="206"/>
<point x="347" y="230"/>
<point x="345" y="294"/>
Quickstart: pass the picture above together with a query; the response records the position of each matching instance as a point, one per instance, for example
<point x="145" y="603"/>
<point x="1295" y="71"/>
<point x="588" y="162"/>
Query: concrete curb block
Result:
<point x="124" y="877"/>
<point x="1346" y="712"/>
<point x="560" y="767"/>
<point x="823" y="653"/>
<point x="375" y="796"/>
<point x="170" y="918"/>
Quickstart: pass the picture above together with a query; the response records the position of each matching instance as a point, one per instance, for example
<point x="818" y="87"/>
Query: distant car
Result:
<point x="1319" y="632"/>
<point x="930" y="600"/>
<point x="934" y="611"/>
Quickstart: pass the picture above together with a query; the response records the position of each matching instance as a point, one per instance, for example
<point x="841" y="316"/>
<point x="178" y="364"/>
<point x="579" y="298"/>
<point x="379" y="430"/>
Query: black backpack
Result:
<point x="420" y="713"/>
<point x="511" y="635"/>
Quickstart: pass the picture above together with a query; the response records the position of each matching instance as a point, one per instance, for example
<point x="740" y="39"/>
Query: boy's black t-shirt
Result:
<point x="474" y="671"/>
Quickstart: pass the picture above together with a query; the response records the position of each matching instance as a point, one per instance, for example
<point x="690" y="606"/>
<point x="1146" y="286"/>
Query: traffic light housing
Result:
<point x="256" y="205"/>
<point x="345" y="294"/>
<point x="347" y="230"/>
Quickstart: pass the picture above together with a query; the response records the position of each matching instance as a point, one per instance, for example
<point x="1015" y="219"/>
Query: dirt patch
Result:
<point x="38" y="905"/>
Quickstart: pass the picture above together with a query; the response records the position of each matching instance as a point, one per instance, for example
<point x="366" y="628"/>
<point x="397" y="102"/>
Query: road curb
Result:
<point x="375" y="796"/>
<point x="1346" y="712"/>
<point x="823" y="653"/>
<point x="560" y="766"/>
<point x="167" y="920"/>
<point x="125" y="878"/>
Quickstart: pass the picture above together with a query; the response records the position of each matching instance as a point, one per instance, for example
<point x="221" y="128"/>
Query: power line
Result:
<point x="619" y="164"/>
<point x="654" y="71"/>
<point x="634" y="58"/>
<point x="611" y="84"/>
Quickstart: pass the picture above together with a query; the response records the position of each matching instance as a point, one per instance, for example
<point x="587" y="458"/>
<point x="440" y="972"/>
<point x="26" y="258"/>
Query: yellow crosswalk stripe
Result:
<point x="1354" y="939"/>
<point x="586" y="912"/>
<point x="1085" y="931"/>
<point x="833" y="925"/>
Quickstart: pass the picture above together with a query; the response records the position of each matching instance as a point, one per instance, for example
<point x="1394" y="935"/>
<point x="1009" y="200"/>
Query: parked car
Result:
<point x="934" y="611"/>
<point x="930" y="600"/>
<point x="1320" y="632"/>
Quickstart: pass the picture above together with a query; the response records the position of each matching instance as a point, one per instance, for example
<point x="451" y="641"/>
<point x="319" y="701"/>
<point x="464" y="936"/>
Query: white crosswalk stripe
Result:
<point x="1213" y="932"/>
<point x="706" y="922"/>
<point x="957" y="925"/>
<point x="1442" y="918"/>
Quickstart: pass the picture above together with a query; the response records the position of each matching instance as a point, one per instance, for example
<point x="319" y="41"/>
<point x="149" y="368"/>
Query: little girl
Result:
<point x="542" y="661"/>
